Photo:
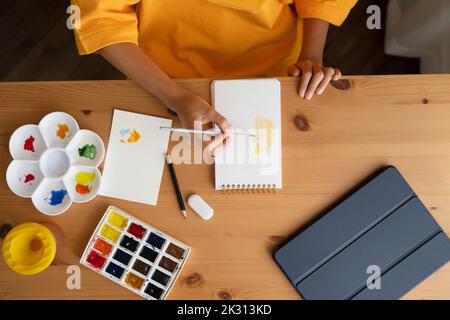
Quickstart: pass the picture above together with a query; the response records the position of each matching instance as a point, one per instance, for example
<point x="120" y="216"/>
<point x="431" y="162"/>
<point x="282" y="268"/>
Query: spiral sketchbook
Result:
<point x="252" y="160"/>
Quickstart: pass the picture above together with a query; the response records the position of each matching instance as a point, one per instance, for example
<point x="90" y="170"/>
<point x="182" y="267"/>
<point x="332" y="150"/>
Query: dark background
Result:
<point x="36" y="45"/>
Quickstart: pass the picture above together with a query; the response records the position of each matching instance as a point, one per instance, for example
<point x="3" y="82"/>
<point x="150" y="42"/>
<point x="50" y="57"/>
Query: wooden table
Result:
<point x="398" y="120"/>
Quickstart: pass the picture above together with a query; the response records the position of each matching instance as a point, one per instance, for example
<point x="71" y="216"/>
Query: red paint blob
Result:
<point x="136" y="230"/>
<point x="96" y="260"/>
<point x="29" y="144"/>
<point x="82" y="189"/>
<point x="28" y="178"/>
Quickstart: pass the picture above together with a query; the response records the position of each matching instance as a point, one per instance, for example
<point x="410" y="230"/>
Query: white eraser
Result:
<point x="200" y="206"/>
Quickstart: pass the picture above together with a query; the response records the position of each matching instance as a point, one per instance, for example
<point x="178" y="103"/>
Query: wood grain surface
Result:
<point x="343" y="136"/>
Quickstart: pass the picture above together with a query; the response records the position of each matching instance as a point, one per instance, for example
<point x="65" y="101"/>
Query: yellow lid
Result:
<point x="29" y="248"/>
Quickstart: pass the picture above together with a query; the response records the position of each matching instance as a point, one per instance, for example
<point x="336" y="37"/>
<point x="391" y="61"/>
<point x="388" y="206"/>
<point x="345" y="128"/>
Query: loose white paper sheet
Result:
<point x="135" y="157"/>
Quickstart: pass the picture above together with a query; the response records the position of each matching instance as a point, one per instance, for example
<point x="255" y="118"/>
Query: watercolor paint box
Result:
<point x="135" y="255"/>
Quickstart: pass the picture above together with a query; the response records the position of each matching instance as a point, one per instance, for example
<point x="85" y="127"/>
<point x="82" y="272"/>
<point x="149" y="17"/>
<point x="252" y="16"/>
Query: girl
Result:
<point x="153" y="41"/>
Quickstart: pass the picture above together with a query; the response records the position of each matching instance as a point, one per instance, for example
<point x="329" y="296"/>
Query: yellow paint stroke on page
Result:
<point x="264" y="127"/>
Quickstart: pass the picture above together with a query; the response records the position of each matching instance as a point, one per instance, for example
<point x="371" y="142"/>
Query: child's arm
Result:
<point x="314" y="76"/>
<point x="133" y="62"/>
<point x="110" y="27"/>
<point x="316" y="16"/>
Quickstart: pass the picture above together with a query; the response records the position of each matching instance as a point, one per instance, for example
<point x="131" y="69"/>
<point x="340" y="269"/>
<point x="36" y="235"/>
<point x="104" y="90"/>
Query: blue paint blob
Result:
<point x="56" y="197"/>
<point x="124" y="132"/>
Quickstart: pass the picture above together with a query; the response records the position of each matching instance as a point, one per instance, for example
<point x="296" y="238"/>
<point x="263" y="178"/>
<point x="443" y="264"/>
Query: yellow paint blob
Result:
<point x="85" y="178"/>
<point x="29" y="248"/>
<point x="109" y="233"/>
<point x="117" y="220"/>
<point x="264" y="129"/>
<point x="63" y="131"/>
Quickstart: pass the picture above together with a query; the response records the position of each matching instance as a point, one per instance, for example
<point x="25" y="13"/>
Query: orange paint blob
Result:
<point x="82" y="189"/>
<point x="63" y="131"/>
<point x="134" y="136"/>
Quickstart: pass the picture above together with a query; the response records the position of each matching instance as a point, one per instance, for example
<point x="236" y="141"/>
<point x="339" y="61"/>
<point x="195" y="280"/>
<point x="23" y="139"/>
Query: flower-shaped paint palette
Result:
<point x="55" y="163"/>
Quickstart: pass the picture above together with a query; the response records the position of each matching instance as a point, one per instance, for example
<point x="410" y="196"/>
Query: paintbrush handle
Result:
<point x="210" y="132"/>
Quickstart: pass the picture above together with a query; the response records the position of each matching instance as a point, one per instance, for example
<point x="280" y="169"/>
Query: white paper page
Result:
<point x="135" y="158"/>
<point x="251" y="106"/>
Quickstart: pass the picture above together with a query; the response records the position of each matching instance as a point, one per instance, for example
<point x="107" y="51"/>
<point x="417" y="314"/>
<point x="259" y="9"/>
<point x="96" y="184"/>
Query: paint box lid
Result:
<point x="29" y="248"/>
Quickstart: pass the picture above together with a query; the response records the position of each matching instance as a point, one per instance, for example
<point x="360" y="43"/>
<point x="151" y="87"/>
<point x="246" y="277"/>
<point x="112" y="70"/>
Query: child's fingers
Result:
<point x="318" y="75"/>
<point x="221" y="121"/>
<point x="328" y="75"/>
<point x="306" y="68"/>
<point x="216" y="144"/>
<point x="337" y="74"/>
<point x="294" y="71"/>
<point x="227" y="142"/>
<point x="314" y="78"/>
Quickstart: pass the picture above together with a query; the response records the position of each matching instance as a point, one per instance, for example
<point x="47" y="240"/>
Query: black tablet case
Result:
<point x="383" y="223"/>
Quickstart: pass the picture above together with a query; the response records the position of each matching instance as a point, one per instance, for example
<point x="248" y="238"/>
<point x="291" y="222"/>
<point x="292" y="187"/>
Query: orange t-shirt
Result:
<point x="207" y="38"/>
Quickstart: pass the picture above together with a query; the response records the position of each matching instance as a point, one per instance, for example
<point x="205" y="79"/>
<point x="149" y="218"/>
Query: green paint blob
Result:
<point x="88" y="151"/>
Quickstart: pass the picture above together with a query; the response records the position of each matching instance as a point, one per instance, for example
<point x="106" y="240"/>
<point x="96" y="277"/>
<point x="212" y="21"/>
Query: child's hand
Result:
<point x="314" y="77"/>
<point x="194" y="112"/>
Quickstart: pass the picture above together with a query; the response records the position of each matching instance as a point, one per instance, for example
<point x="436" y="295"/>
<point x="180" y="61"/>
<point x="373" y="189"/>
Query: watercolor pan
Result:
<point x="129" y="243"/>
<point x="95" y="260"/>
<point x="141" y="267"/>
<point x="167" y="264"/>
<point x="115" y="270"/>
<point x="148" y="254"/>
<point x="155" y="241"/>
<point x="153" y="291"/>
<point x="136" y="230"/>
<point x="122" y="257"/>
<point x="109" y="233"/>
<point x="135" y="255"/>
<point x="116" y="220"/>
<point x="161" y="277"/>
<point x="102" y="246"/>
<point x="134" y="280"/>
<point x="175" y="251"/>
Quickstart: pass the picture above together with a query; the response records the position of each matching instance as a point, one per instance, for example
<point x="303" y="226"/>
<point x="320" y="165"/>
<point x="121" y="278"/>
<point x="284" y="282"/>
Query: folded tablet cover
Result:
<point x="382" y="224"/>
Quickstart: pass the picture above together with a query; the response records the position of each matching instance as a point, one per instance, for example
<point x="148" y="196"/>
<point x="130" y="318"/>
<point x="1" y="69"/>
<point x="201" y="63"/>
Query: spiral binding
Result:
<point x="249" y="188"/>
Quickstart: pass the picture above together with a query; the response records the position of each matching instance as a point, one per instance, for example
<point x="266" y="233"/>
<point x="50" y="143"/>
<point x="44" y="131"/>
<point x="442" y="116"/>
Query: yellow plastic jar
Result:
<point x="29" y="248"/>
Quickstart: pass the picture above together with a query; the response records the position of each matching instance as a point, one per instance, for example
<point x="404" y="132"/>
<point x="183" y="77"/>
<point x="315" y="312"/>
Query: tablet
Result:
<point x="377" y="243"/>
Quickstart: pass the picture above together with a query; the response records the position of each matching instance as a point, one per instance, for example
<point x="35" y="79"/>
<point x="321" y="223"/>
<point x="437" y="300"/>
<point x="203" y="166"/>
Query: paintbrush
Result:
<point x="209" y="132"/>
